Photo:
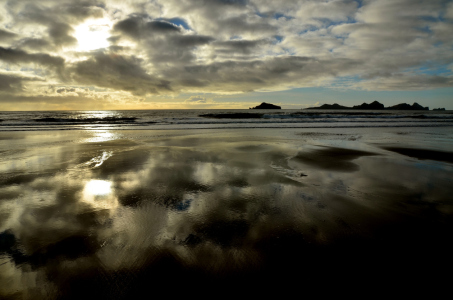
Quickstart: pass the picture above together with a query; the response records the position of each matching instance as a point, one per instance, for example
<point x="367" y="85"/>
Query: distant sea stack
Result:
<point x="372" y="105"/>
<point x="405" y="106"/>
<point x="330" y="106"/>
<point x="265" y="105"/>
<point x="375" y="105"/>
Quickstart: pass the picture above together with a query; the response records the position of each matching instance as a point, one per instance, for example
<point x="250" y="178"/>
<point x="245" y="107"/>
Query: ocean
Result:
<point x="210" y="119"/>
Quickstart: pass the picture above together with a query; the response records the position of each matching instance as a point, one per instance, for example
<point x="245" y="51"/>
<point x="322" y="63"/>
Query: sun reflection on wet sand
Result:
<point x="99" y="135"/>
<point x="99" y="194"/>
<point x="98" y="188"/>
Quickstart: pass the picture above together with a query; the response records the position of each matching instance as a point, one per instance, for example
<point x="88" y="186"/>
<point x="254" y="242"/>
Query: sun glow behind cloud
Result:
<point x="93" y="34"/>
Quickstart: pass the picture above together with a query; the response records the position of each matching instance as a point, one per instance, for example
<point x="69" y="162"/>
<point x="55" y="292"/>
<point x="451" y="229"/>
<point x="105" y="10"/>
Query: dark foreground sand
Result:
<point x="210" y="213"/>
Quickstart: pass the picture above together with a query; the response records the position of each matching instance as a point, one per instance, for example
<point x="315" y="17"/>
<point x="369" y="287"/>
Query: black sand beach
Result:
<point x="242" y="212"/>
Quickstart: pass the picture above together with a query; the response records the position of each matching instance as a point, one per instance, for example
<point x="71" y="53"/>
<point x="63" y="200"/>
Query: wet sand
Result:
<point x="423" y="153"/>
<point x="125" y="214"/>
<point x="332" y="158"/>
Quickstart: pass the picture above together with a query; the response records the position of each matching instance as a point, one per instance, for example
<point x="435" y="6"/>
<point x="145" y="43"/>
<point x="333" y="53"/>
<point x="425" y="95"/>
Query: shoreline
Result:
<point x="179" y="127"/>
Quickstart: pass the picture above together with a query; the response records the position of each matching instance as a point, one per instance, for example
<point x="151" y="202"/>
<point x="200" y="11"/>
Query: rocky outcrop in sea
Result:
<point x="265" y="105"/>
<point x="375" y="105"/>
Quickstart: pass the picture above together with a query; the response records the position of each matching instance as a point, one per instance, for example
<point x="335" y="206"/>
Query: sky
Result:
<point x="231" y="54"/>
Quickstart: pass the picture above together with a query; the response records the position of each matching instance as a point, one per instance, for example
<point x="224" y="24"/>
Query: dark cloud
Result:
<point x="130" y="27"/>
<point x="81" y="10"/>
<point x="34" y="44"/>
<point x="10" y="83"/>
<point x="175" y="50"/>
<point x="233" y="2"/>
<point x="138" y="27"/>
<point x="61" y="34"/>
<point x="161" y="26"/>
<point x="116" y="48"/>
<point x="258" y="73"/>
<point x="18" y="56"/>
<point x="191" y="82"/>
<point x="65" y="90"/>
<point x="163" y="41"/>
<point x="190" y="40"/>
<point x="239" y="46"/>
<point x="63" y="11"/>
<point x="33" y="13"/>
<point x="119" y="73"/>
<point x="6" y="35"/>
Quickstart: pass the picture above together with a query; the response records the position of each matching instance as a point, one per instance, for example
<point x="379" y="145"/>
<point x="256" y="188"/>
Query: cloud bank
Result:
<point x="127" y="51"/>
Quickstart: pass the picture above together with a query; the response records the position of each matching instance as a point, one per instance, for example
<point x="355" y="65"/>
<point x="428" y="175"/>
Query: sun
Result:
<point x="93" y="34"/>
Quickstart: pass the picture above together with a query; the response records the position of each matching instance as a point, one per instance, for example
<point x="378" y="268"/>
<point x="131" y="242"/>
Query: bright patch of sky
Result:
<point x="92" y="35"/>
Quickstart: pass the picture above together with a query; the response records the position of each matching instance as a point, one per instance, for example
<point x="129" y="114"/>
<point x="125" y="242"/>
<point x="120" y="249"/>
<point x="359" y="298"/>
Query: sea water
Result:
<point x="206" y="119"/>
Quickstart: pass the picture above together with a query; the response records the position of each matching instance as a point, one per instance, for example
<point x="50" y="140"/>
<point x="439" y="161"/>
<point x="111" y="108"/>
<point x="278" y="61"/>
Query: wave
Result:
<point x="106" y="120"/>
<point x="341" y="113"/>
<point x="233" y="116"/>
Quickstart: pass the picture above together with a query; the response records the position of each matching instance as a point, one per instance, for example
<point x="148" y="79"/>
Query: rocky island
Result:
<point x="375" y="105"/>
<point x="405" y="106"/>
<point x="265" y="105"/>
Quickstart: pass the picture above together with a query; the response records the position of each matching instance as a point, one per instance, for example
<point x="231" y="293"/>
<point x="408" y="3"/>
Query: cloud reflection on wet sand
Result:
<point x="200" y="212"/>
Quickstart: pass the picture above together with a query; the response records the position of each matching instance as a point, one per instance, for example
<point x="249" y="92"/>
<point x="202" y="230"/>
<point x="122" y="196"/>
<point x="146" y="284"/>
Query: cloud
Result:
<point x="65" y="90"/>
<point x="48" y="12"/>
<point x="197" y="100"/>
<point x="404" y="82"/>
<point x="10" y="83"/>
<point x="333" y="10"/>
<point x="226" y="47"/>
<point x="449" y="11"/>
<point x="239" y="46"/>
<point x="138" y="27"/>
<point x="278" y="72"/>
<point x="14" y="83"/>
<point x="33" y="44"/>
<point x="18" y="56"/>
<point x="246" y="24"/>
<point x="53" y="22"/>
<point x="6" y="35"/>
<point x="61" y="34"/>
<point x="118" y="72"/>
<point x="163" y="41"/>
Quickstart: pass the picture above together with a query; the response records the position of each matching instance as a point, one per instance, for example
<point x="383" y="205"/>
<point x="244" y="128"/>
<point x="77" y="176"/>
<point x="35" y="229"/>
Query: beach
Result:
<point x="122" y="213"/>
<point x="240" y="149"/>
